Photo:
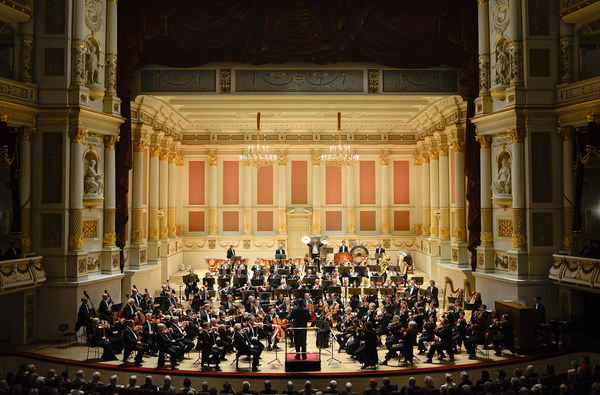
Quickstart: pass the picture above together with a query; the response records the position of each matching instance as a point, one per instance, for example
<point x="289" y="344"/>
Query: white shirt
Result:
<point x="315" y="249"/>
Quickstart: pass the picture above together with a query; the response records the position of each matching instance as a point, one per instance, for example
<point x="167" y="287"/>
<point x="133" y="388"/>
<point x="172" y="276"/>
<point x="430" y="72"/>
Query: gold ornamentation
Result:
<point x="316" y="229"/>
<point x="418" y="160"/>
<point x="247" y="229"/>
<point x="143" y="255"/>
<point x="110" y="141"/>
<point x="281" y="229"/>
<point x="434" y="154"/>
<point x="591" y="117"/>
<point x="485" y="141"/>
<point x="501" y="260"/>
<point x="76" y="135"/>
<point x="138" y="235"/>
<point x="212" y="229"/>
<point x="454" y="254"/>
<point x="93" y="16"/>
<point x="179" y="230"/>
<point x="247" y="244"/>
<point x="28" y="131"/>
<point x="425" y="229"/>
<point x="154" y="151"/>
<point x="139" y="146"/>
<point x="75" y="243"/>
<point x="385" y="229"/>
<point x="443" y="150"/>
<point x="81" y="265"/>
<point x="164" y="154"/>
<point x="517" y="135"/>
<point x="109" y="239"/>
<point x="486" y="237"/>
<point x="519" y="241"/>
<point x="164" y="232"/>
<point x="212" y="244"/>
<point x="3" y="115"/>
<point x="212" y="160"/>
<point x="568" y="242"/>
<point x="505" y="227"/>
<point x="350" y="229"/>
<point x="316" y="159"/>
<point x="458" y="145"/>
<point x="512" y="264"/>
<point x="173" y="158"/>
<point x="459" y="234"/>
<point x="434" y="230"/>
<point x="385" y="159"/>
<point x="25" y="241"/>
<point x="282" y="159"/>
<point x="90" y="229"/>
<point x="480" y="259"/>
<point x="115" y="261"/>
<point x="424" y="157"/>
<point x="566" y="132"/>
<point x="418" y="229"/>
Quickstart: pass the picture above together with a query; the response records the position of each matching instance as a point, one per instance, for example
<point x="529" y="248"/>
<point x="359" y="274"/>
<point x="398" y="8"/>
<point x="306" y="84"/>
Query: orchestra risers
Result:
<point x="58" y="302"/>
<point x="171" y="258"/>
<point x="148" y="276"/>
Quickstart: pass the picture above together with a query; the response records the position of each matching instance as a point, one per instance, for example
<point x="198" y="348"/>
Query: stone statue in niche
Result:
<point x="502" y="66"/>
<point x="93" y="180"/>
<point x="502" y="184"/>
<point x="92" y="61"/>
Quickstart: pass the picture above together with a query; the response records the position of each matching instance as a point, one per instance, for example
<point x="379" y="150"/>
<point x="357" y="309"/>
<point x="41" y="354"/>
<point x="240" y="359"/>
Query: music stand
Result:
<point x="210" y="281"/>
<point x="471" y="306"/>
<point x="395" y="268"/>
<point x="222" y="281"/>
<point x="212" y="293"/>
<point x="377" y="279"/>
<point x="371" y="291"/>
<point x="322" y="326"/>
<point x="374" y="268"/>
<point x="293" y="283"/>
<point x="424" y="292"/>
<point x="386" y="291"/>
<point x="378" y="256"/>
<point x="240" y="280"/>
<point x="117" y="307"/>
<point x="451" y="299"/>
<point x="316" y="293"/>
<point x="299" y="293"/>
<point x="334" y="289"/>
<point x="245" y="294"/>
<point x="309" y="280"/>
<point x="326" y="283"/>
<point x="417" y="280"/>
<point x="397" y="279"/>
<point x="285" y="292"/>
<point x="362" y="270"/>
<point x="352" y="279"/>
<point x="284" y="272"/>
<point x="311" y="267"/>
<point x="189" y="279"/>
<point x="344" y="270"/>
<point x="257" y="282"/>
<point x="280" y="257"/>
<point x="275" y="281"/>
<point x="224" y="297"/>
<point x="236" y="258"/>
<point x="226" y="272"/>
<point x="354" y="291"/>
<point x="328" y="268"/>
<point x="264" y="296"/>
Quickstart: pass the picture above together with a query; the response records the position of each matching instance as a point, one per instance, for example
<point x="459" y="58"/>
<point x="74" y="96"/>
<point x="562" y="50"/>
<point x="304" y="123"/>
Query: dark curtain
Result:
<point x="9" y="145"/>
<point x="402" y="34"/>
<point x="587" y="143"/>
<point x="472" y="172"/>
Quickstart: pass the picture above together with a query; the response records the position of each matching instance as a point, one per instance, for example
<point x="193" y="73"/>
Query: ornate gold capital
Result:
<point x="164" y="154"/>
<point x="418" y="160"/>
<point x="247" y="229"/>
<point x="179" y="160"/>
<point x="316" y="160"/>
<point x="3" y="116"/>
<point x="212" y="160"/>
<point x="110" y="141"/>
<point x="519" y="241"/>
<point x="173" y="158"/>
<point x="139" y="146"/>
<point x="154" y="151"/>
<point x="443" y="149"/>
<point x="591" y="117"/>
<point x="434" y="155"/>
<point x="282" y="160"/>
<point x="75" y="243"/>
<point x="517" y="135"/>
<point x="485" y="141"/>
<point x="486" y="238"/>
<point x="566" y="132"/>
<point x="385" y="159"/>
<point x="424" y="157"/>
<point x="109" y="239"/>
<point x="25" y="241"/>
<point x="458" y="145"/>
<point x="76" y="135"/>
<point x="28" y="131"/>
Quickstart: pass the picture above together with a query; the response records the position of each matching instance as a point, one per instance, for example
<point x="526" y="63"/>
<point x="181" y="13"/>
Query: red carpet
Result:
<point x="311" y="357"/>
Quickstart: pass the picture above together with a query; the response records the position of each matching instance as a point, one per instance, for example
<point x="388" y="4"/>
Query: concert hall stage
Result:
<point x="46" y="356"/>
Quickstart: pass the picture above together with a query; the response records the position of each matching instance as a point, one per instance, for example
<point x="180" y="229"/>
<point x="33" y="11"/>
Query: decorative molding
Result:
<point x="517" y="135"/>
<point x="505" y="227"/>
<point x="110" y="141"/>
<point x="90" y="229"/>
<point x="76" y="135"/>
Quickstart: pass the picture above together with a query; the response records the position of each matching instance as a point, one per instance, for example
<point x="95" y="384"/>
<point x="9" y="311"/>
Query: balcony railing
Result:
<point x="21" y="273"/>
<point x="577" y="271"/>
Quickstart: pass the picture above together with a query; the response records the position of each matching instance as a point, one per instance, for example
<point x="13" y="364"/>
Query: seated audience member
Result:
<point x="167" y="387"/>
<point x="348" y="389"/>
<point x="411" y="387"/>
<point x="227" y="389"/>
<point x="268" y="389"/>
<point x="308" y="389"/>
<point x="246" y="389"/>
<point x="149" y="385"/>
<point x="448" y="383"/>
<point x="372" y="390"/>
<point x="132" y="383"/>
<point x="332" y="388"/>
<point x="428" y="387"/>
<point x="289" y="389"/>
<point x="465" y="380"/>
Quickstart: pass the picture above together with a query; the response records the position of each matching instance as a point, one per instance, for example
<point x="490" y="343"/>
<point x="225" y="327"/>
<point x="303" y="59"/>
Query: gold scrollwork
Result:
<point x="90" y="229"/>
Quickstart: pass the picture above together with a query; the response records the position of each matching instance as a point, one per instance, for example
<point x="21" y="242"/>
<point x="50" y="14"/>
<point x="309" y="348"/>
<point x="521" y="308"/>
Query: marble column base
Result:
<point x="485" y="259"/>
<point x="110" y="260"/>
<point x="77" y="266"/>
<point x="444" y="251"/>
<point x="518" y="262"/>
<point x="459" y="255"/>
<point x="138" y="255"/>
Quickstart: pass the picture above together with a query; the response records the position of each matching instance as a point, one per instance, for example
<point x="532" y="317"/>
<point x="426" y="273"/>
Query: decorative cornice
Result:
<point x="76" y="135"/>
<point x="517" y="135"/>
<point x="110" y="141"/>
<point x="566" y="132"/>
<point x="485" y="141"/>
<point x="28" y="131"/>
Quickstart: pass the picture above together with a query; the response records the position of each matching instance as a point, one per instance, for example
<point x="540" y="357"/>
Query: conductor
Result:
<point x="299" y="316"/>
<point x="315" y="250"/>
<point x="230" y="252"/>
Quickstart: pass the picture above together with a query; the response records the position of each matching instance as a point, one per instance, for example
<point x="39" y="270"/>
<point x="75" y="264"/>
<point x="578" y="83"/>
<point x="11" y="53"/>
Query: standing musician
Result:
<point x="343" y="247"/>
<point x="211" y="352"/>
<point x="315" y="251"/>
<point x="132" y="343"/>
<point x="230" y="252"/>
<point x="83" y="316"/>
<point x="104" y="309"/>
<point x="434" y="293"/>
<point x="244" y="347"/>
<point x="167" y="346"/>
<point x="98" y="339"/>
<point x="191" y="287"/>
<point x="379" y="249"/>
<point x="299" y="316"/>
<point x="280" y="250"/>
<point x="444" y="343"/>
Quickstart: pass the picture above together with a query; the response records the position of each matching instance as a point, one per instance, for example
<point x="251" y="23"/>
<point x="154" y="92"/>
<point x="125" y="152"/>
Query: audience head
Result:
<point x="290" y="385"/>
<point x="332" y="385"/>
<point x="428" y="381"/>
<point x="373" y="383"/>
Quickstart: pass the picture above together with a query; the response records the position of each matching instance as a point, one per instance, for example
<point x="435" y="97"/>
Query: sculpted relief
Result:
<point x="502" y="184"/>
<point x="93" y="180"/>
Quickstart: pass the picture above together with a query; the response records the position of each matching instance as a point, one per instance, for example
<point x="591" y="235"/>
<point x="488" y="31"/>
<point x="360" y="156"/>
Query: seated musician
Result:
<point x="244" y="347"/>
<point x="211" y="352"/>
<point x="228" y="304"/>
<point x="266" y="287"/>
<point x="98" y="338"/>
<point x="223" y="332"/>
<point x="208" y="284"/>
<point x="432" y="311"/>
<point x="242" y="266"/>
<point x="132" y="343"/>
<point x="191" y="285"/>
<point x="460" y="330"/>
<point x="129" y="310"/>
<point x="404" y="346"/>
<point x="343" y="247"/>
<point x="252" y="329"/>
<point x="444" y="333"/>
<point x="146" y="304"/>
<point x="149" y="334"/>
<point x="477" y="330"/>
<point x="285" y="307"/>
<point x="427" y="334"/>
<point x="166" y="345"/>
<point x="257" y="276"/>
<point x="179" y="335"/>
<point x="366" y="354"/>
<point x="433" y="298"/>
<point x="294" y="275"/>
<point x="274" y="275"/>
<point x="413" y="290"/>
<point x="226" y="289"/>
<point x="256" y="309"/>
<point x="269" y="326"/>
<point x="283" y="285"/>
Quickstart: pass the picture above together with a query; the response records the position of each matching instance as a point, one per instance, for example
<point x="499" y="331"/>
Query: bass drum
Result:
<point x="359" y="252"/>
<point x="339" y="257"/>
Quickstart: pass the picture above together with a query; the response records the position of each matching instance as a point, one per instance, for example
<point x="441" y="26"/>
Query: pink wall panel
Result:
<point x="145" y="175"/>
<point x="231" y="182"/>
<point x="264" y="221"/>
<point x="299" y="182"/>
<point x="368" y="221"/>
<point x="196" y="221"/>
<point x="264" y="189"/>
<point x="231" y="221"/>
<point x="401" y="182"/>
<point x="452" y="164"/>
<point x="196" y="182"/>
<point x="333" y="182"/>
<point x="367" y="182"/>
<point x="401" y="221"/>
<point x="333" y="221"/>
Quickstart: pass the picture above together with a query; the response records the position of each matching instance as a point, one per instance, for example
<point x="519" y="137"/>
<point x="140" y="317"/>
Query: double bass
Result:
<point x="93" y="312"/>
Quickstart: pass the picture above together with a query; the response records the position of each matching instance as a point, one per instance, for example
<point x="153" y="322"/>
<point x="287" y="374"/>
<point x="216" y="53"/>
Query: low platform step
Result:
<point x="312" y="363"/>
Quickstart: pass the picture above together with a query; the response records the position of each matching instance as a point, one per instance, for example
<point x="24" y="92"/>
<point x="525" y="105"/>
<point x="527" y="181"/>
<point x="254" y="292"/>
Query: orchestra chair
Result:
<point x="203" y="356"/>
<point x="237" y="359"/>
<point x="96" y="348"/>
<point x="67" y="335"/>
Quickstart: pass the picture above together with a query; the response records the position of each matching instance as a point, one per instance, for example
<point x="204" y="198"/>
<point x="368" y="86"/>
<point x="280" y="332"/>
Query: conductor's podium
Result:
<point x="311" y="364"/>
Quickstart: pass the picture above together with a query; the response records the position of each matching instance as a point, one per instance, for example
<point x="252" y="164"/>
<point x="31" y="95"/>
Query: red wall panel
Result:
<point x="196" y="182"/>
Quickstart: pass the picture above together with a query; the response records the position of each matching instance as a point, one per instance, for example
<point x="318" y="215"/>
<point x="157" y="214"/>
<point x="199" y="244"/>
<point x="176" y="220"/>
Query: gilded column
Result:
<point x="350" y="198"/>
<point x="519" y="238"/>
<point x="434" y="190"/>
<point x="153" y="192"/>
<point x="485" y="190"/>
<point x="163" y="193"/>
<point x="111" y="49"/>
<point x="171" y="225"/>
<point x="26" y="188"/>
<point x="384" y="159"/>
<point x="316" y="192"/>
<point x="179" y="212"/>
<point x="484" y="47"/>
<point x="566" y="53"/>
<point x="282" y="193"/>
<point x="569" y="241"/>
<point x="78" y="45"/>
<point x="26" y="41"/>
<point x="459" y="234"/>
<point x="212" y="195"/>
<point x="418" y="200"/>
<point x="109" y="239"/>
<point x="516" y="45"/>
<point x="425" y="196"/>
<point x="76" y="194"/>
<point x="138" y="235"/>
<point x="247" y="195"/>
<point x="444" y="188"/>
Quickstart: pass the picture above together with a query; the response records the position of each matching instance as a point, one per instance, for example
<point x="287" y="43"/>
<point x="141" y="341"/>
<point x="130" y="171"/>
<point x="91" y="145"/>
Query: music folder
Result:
<point x="280" y="257"/>
<point x="245" y="294"/>
<point x="354" y="290"/>
<point x="371" y="291"/>
<point x="344" y="269"/>
<point x="316" y="293"/>
<point x="189" y="279"/>
<point x="334" y="289"/>
<point x="209" y="281"/>
<point x="257" y="282"/>
<point x="285" y="292"/>
<point x="236" y="258"/>
<point x="240" y="280"/>
<point x="397" y="279"/>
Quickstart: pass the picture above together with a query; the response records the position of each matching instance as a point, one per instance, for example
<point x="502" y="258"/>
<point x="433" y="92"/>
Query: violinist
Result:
<point x="373" y="298"/>
<point x="98" y="339"/>
<point x="324" y="334"/>
<point x="274" y="276"/>
<point x="129" y="310"/>
<point x="420" y="302"/>
<point x="132" y="343"/>
<point x="171" y="300"/>
<point x="344" y="326"/>
<point x="103" y="308"/>
<point x="477" y="329"/>
<point x="366" y="354"/>
<point x="279" y="301"/>
<point x="444" y="333"/>
<point x="179" y="335"/>
<point x="504" y="337"/>
<point x="285" y="307"/>
<point x="371" y="314"/>
<point x="394" y="332"/>
<point x="252" y="332"/>
<point x="460" y="330"/>
<point x="228" y="304"/>
<point x="405" y="345"/>
<point x="432" y="312"/>
<point x="167" y="346"/>
<point x="244" y="347"/>
<point x="221" y="333"/>
<point x="433" y="298"/>
<point x="211" y="352"/>
<point x="149" y="334"/>
<point x="419" y="318"/>
<point x="205" y="312"/>
<point x="146" y="304"/>
<point x="427" y="334"/>
<point x="191" y="287"/>
<point x="226" y="289"/>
